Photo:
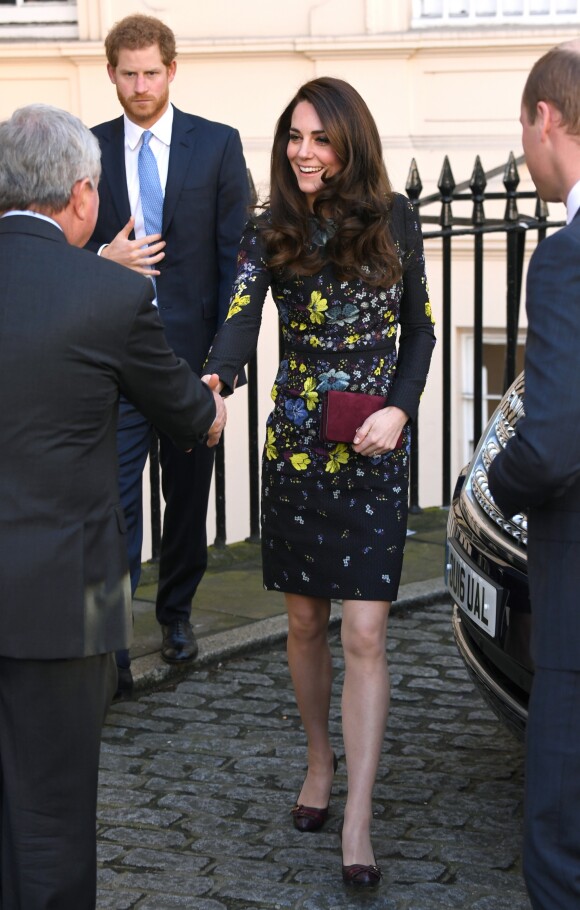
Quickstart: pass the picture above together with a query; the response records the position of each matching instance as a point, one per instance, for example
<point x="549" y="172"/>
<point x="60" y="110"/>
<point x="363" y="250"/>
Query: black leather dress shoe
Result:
<point x="124" y="682"/>
<point x="179" y="642"/>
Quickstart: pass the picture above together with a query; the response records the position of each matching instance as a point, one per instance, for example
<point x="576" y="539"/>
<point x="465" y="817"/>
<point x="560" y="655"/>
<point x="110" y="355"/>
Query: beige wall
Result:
<point x="433" y="92"/>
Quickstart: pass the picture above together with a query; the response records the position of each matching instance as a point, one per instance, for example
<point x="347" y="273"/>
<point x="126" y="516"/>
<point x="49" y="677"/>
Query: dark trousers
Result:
<point x="186" y="482"/>
<point x="552" y="800"/>
<point x="51" y="717"/>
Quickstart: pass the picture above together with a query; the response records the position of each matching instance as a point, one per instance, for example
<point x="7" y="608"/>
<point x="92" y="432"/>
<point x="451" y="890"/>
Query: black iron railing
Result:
<point x="450" y="226"/>
<point x="515" y="226"/>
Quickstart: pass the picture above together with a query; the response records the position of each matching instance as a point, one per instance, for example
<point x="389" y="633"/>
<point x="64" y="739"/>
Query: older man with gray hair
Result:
<point x="75" y="331"/>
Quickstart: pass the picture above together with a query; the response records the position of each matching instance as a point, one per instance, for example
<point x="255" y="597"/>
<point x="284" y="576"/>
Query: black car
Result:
<point x="486" y="575"/>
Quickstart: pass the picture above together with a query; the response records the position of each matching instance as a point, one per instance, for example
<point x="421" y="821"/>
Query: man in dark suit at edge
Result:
<point x="193" y="259"/>
<point x="539" y="471"/>
<point x="75" y="331"/>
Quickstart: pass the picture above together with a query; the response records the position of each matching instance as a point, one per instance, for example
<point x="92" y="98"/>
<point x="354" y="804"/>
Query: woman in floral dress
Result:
<point x="343" y="257"/>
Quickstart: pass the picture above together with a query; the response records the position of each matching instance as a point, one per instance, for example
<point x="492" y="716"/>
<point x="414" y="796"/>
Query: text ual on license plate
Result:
<point x="472" y="593"/>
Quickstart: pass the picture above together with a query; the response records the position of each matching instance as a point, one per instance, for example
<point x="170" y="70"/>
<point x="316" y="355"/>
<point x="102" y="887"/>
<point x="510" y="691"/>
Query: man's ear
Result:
<point x="75" y="218"/>
<point x="112" y="73"/>
<point x="82" y="209"/>
<point x="547" y="117"/>
<point x="78" y="197"/>
<point x="82" y="204"/>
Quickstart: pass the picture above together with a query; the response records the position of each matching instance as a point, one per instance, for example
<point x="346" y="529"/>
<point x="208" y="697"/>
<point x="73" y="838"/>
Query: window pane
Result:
<point x="432" y="8"/>
<point x="513" y="7"/>
<point x="485" y="7"/>
<point x="458" y="7"/>
<point x="538" y="7"/>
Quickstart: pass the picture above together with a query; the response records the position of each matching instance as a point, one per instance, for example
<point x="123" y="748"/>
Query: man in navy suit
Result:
<point x="193" y="259"/>
<point x="539" y="471"/>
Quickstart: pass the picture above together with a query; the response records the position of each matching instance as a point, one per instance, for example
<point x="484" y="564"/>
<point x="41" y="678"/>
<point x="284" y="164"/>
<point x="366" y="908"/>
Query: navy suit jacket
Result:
<point x="75" y="331"/>
<point x="204" y="213"/>
<point x="539" y="470"/>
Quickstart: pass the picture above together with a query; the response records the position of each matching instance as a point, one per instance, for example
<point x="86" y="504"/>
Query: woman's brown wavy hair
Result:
<point x="358" y="198"/>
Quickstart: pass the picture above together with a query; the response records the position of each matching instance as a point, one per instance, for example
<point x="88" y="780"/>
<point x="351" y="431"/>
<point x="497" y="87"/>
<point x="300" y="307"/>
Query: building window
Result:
<point x="38" y="19"/>
<point x="428" y="13"/>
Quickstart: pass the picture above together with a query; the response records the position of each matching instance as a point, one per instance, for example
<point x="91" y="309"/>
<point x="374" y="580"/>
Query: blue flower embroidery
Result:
<point x="296" y="411"/>
<point x="282" y="310"/>
<point x="282" y="374"/>
<point x="333" y="380"/>
<point x="343" y="315"/>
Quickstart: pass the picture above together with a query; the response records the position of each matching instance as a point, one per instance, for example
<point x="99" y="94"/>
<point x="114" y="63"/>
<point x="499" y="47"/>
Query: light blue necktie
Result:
<point x="150" y="189"/>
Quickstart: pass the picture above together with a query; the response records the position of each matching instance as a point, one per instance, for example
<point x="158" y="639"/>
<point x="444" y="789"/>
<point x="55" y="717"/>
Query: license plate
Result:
<point x="475" y="595"/>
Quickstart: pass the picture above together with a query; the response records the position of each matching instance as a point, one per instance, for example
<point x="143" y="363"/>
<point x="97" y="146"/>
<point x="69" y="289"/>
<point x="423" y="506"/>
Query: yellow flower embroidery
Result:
<point x="302" y="368"/>
<point x="300" y="461"/>
<point x="314" y="342"/>
<point x="310" y="394"/>
<point x="316" y="307"/>
<point x="428" y="312"/>
<point x="271" y="450"/>
<point x="274" y="393"/>
<point x="352" y="339"/>
<point x="238" y="302"/>
<point x="379" y="369"/>
<point x="339" y="455"/>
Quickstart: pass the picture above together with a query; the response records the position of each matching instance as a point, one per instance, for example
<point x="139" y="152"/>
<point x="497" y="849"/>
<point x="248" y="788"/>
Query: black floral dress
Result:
<point x="333" y="522"/>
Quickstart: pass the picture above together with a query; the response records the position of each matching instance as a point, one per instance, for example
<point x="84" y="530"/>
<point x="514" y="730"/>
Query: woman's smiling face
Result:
<point x="309" y="151"/>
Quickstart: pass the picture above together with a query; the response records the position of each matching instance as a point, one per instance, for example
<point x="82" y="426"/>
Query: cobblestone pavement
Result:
<point x="197" y="783"/>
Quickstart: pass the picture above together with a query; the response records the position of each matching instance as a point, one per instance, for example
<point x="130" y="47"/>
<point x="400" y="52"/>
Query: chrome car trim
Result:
<point x="477" y="519"/>
<point x="476" y="500"/>
<point x="471" y="659"/>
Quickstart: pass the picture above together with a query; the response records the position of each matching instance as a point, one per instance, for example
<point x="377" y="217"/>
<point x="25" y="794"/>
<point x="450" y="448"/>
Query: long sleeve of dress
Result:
<point x="417" y="337"/>
<point x="236" y="340"/>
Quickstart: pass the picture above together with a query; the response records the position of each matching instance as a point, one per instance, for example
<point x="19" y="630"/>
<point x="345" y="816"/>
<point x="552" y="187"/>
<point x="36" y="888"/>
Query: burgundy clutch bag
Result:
<point x="344" y="412"/>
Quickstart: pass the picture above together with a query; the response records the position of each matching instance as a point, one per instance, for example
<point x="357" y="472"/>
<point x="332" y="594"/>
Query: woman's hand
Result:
<point x="380" y="432"/>
<point x="213" y="381"/>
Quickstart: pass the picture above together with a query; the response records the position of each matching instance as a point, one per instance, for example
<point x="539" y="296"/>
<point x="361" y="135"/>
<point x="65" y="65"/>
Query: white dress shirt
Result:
<point x="34" y="215"/>
<point x="159" y="144"/>
<point x="573" y="202"/>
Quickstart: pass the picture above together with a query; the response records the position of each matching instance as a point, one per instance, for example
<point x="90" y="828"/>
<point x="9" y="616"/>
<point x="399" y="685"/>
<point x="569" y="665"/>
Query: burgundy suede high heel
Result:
<point x="361" y="876"/>
<point x="308" y="818"/>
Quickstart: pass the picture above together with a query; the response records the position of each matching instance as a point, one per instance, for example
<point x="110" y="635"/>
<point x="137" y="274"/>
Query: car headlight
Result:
<point x="495" y="438"/>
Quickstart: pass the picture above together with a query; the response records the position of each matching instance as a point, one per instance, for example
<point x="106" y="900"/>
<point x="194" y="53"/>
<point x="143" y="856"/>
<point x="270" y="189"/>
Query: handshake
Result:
<point x="216" y="429"/>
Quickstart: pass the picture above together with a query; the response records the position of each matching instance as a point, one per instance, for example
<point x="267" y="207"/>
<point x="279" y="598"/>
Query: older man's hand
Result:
<point x="216" y="429"/>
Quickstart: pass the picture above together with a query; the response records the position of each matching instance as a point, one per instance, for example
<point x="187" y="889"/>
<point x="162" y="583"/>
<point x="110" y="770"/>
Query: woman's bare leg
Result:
<point x="365" y="706"/>
<point x="310" y="666"/>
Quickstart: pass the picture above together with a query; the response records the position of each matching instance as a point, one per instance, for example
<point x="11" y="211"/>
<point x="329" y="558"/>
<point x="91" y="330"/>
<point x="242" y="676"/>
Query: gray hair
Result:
<point x="44" y="151"/>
